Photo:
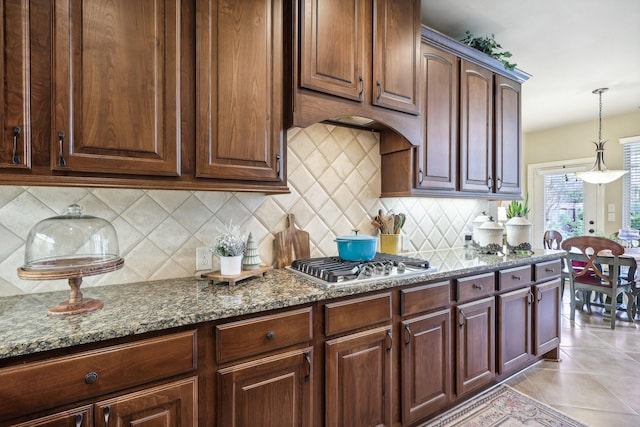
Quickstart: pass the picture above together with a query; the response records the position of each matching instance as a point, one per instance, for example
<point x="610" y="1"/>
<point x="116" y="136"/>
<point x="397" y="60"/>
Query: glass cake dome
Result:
<point x="70" y="241"/>
<point x="71" y="246"/>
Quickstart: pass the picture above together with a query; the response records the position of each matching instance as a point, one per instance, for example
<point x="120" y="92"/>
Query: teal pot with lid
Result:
<point x="357" y="247"/>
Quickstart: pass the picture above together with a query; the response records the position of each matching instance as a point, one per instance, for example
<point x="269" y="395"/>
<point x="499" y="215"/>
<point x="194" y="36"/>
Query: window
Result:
<point x="564" y="204"/>
<point x="631" y="182"/>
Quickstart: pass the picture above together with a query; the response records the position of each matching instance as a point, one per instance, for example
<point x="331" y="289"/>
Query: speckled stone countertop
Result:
<point x="136" y="308"/>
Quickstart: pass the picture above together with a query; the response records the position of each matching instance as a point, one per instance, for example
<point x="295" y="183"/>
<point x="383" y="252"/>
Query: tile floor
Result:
<point x="598" y="380"/>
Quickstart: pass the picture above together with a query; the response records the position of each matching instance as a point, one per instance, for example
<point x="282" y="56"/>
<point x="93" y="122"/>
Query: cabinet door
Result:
<point x="170" y="405"/>
<point x="426" y="365"/>
<point x="438" y="155"/>
<point x="476" y="128"/>
<point x="514" y="329"/>
<point x="358" y="379"/>
<point x="15" y="103"/>
<point x="239" y="124"/>
<point x="274" y="391"/>
<point x="508" y="137"/>
<point x="547" y="309"/>
<point x="396" y="50"/>
<point x="116" y="87"/>
<point x="77" y="417"/>
<point x="333" y="43"/>
<point x="475" y="341"/>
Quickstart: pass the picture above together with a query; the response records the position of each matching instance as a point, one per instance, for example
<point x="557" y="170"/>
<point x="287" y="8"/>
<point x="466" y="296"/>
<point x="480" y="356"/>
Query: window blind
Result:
<point x="631" y="185"/>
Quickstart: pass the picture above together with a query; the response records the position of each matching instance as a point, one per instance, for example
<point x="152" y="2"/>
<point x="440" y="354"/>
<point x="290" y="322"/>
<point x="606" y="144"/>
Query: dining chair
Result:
<point x="552" y="239"/>
<point x="598" y="253"/>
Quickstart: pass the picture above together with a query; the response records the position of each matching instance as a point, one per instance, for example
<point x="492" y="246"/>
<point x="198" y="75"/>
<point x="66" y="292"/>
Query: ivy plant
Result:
<point x="490" y="46"/>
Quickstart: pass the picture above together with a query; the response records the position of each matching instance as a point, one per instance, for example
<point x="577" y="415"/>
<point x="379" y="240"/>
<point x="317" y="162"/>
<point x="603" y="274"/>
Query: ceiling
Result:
<point x="569" y="47"/>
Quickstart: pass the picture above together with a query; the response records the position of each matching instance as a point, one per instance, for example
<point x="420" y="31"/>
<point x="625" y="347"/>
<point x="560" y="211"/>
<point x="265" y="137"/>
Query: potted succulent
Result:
<point x="518" y="227"/>
<point x="229" y="246"/>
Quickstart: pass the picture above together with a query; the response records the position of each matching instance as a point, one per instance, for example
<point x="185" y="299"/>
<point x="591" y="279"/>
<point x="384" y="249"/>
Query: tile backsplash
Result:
<point x="334" y="178"/>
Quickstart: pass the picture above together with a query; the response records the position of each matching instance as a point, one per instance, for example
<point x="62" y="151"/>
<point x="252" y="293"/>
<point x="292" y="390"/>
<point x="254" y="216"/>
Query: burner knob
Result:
<point x="401" y="267"/>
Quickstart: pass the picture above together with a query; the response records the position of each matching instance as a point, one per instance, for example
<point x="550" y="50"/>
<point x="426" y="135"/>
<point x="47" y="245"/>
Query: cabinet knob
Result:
<point x="271" y="335"/>
<point x="91" y="378"/>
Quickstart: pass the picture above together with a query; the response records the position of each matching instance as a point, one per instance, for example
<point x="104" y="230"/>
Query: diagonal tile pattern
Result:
<point x="334" y="178"/>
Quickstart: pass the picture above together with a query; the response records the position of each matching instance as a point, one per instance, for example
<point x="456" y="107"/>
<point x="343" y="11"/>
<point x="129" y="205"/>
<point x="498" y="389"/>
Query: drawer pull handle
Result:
<point x="389" y="340"/>
<point x="550" y="270"/>
<point x="407" y="329"/>
<point x="463" y="318"/>
<point x="361" y="81"/>
<point x="307" y="358"/>
<point x="91" y="378"/>
<point x="16" y="133"/>
<point x="79" y="418"/>
<point x="479" y="287"/>
<point x="530" y="297"/>
<point x="539" y="295"/>
<point x="271" y="335"/>
<point x="105" y="413"/>
<point x="514" y="277"/>
<point x="61" y="161"/>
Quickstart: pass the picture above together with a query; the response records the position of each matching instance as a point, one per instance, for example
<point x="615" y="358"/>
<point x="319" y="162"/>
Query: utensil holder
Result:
<point x="391" y="243"/>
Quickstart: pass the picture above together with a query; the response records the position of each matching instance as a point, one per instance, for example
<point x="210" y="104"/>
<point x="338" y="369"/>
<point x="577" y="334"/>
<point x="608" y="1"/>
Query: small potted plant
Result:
<point x="229" y="246"/>
<point x="518" y="227"/>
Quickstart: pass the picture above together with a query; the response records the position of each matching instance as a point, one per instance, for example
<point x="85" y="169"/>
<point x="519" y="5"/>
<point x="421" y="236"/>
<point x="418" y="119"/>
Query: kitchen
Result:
<point x="333" y="173"/>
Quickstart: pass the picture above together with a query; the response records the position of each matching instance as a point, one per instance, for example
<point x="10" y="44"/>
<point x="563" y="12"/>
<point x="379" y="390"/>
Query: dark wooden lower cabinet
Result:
<point x="272" y="392"/>
<point x="358" y="379"/>
<point x="514" y="329"/>
<point x="171" y="405"/>
<point x="77" y="417"/>
<point x="547" y="302"/>
<point x="426" y="365"/>
<point x="475" y="345"/>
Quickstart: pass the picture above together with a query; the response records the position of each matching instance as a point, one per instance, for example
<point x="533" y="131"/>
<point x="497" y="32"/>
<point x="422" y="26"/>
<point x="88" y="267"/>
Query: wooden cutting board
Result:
<point x="290" y="244"/>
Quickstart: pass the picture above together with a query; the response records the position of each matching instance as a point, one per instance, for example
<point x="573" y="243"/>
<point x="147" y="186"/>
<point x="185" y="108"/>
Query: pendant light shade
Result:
<point x="599" y="174"/>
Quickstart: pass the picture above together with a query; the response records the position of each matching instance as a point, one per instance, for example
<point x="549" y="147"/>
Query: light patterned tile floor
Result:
<point x="597" y="380"/>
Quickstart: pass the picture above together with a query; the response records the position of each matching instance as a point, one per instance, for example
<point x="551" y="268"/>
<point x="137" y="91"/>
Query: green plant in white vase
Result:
<point x="518" y="227"/>
<point x="229" y="245"/>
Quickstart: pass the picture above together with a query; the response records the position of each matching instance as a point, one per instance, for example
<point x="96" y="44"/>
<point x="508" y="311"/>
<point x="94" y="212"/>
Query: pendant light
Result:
<point x="599" y="174"/>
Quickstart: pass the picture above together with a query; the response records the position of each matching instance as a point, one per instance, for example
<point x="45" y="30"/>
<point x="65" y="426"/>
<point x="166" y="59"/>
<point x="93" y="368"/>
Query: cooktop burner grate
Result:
<point x="334" y="269"/>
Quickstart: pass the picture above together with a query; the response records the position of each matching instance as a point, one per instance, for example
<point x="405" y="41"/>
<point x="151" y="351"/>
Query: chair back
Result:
<point x="587" y="249"/>
<point x="552" y="239"/>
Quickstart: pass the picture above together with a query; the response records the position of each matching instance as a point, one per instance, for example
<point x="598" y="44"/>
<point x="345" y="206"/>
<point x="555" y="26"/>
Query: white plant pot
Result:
<point x="518" y="234"/>
<point x="230" y="265"/>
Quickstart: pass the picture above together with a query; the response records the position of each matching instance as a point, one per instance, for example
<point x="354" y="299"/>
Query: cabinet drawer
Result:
<point x="514" y="278"/>
<point x="548" y="270"/>
<point x="474" y="287"/>
<point x="265" y="333"/>
<point x="50" y="383"/>
<point x="425" y="298"/>
<point x="357" y="313"/>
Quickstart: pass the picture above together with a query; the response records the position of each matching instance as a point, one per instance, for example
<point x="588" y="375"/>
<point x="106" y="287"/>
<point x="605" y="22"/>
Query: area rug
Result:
<point x="503" y="406"/>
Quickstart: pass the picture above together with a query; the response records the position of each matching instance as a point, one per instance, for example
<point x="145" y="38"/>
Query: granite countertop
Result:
<point x="136" y="308"/>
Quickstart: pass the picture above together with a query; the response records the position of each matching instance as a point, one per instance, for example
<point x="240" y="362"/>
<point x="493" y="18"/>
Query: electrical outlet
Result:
<point x="204" y="259"/>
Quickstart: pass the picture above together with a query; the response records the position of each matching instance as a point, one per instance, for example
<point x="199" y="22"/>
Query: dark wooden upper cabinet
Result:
<point x="333" y="37"/>
<point x="396" y="54"/>
<point x="508" y="136"/>
<point x="239" y="123"/>
<point x="476" y="128"/>
<point x="363" y="53"/>
<point x="438" y="156"/>
<point x="15" y="100"/>
<point x="116" y="87"/>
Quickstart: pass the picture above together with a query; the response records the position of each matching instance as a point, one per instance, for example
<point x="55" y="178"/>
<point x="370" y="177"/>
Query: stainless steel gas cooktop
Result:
<point x="333" y="270"/>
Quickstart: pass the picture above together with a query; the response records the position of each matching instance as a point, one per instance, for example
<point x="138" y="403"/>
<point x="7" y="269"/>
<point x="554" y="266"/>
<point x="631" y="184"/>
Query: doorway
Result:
<point x="562" y="202"/>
